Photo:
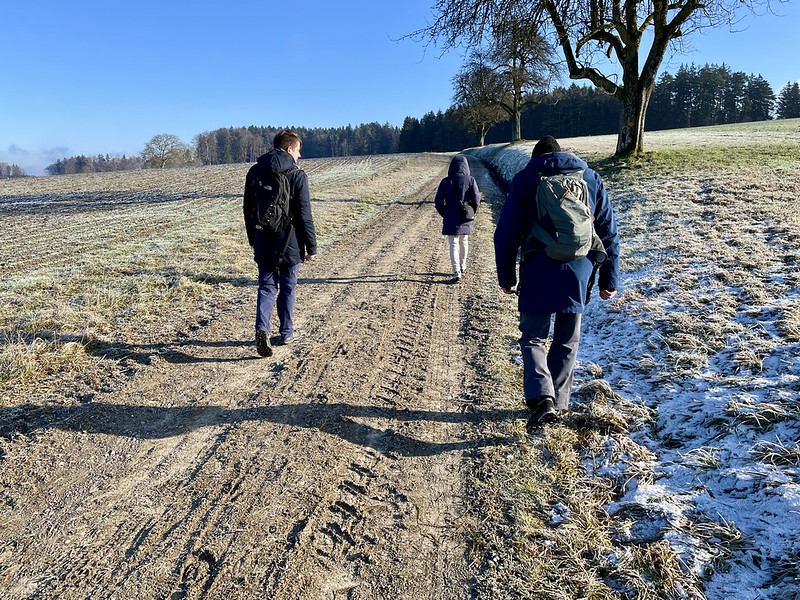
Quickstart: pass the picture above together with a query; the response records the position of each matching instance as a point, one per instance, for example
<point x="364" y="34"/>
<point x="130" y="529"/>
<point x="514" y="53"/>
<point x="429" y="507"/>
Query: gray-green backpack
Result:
<point x="564" y="199"/>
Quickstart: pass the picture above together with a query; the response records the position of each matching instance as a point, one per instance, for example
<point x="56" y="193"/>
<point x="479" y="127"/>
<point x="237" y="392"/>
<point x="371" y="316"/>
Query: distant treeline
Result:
<point x="94" y="164"/>
<point x="708" y="95"/>
<point x="565" y="112"/>
<point x="246" y="144"/>
<point x="8" y="171"/>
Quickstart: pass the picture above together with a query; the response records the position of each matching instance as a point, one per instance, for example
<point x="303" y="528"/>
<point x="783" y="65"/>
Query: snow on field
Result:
<point x="724" y="486"/>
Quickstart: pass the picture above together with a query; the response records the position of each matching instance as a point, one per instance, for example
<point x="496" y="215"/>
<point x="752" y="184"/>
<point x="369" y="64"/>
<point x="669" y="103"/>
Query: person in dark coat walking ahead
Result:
<point x="549" y="289"/>
<point x="457" y="200"/>
<point x="279" y="255"/>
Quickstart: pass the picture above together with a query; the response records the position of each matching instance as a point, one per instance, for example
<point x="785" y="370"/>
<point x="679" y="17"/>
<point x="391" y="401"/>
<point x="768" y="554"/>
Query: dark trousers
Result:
<point x="548" y="372"/>
<point x="280" y="284"/>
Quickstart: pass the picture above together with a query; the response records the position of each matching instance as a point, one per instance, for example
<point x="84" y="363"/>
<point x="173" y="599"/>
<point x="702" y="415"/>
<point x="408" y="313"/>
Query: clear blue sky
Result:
<point x="95" y="77"/>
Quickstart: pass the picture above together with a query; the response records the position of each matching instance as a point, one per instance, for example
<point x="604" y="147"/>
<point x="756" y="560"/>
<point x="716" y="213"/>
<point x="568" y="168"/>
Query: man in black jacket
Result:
<point x="279" y="255"/>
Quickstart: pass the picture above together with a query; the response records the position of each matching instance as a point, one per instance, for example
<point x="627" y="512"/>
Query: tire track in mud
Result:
<point x="345" y="533"/>
<point x="333" y="470"/>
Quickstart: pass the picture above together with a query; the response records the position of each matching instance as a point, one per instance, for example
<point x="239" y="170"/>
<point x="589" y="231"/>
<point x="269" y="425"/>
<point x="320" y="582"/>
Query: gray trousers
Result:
<point x="548" y="372"/>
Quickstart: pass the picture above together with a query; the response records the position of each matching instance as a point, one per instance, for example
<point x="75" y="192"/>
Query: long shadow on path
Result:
<point x="339" y="419"/>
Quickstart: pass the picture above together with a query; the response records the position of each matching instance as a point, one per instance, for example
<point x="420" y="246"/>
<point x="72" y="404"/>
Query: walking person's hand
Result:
<point x="607" y="294"/>
<point x="509" y="291"/>
<point x="309" y="257"/>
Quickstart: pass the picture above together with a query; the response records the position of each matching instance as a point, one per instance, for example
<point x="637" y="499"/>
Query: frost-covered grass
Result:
<point x="686" y="425"/>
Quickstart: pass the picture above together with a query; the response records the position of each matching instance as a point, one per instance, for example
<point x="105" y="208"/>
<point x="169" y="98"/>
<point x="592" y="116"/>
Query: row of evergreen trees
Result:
<point x="246" y="144"/>
<point x="711" y="95"/>
<point x="94" y="164"/>
<point x="565" y="112"/>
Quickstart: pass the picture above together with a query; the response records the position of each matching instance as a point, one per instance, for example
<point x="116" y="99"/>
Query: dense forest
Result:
<point x="246" y="144"/>
<point x="694" y="96"/>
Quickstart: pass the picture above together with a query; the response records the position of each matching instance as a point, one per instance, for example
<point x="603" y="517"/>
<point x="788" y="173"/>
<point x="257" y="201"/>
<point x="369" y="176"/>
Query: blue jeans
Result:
<point x="549" y="372"/>
<point x="280" y="284"/>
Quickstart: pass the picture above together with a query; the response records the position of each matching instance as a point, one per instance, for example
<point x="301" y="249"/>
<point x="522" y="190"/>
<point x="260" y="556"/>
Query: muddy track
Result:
<point x="335" y="469"/>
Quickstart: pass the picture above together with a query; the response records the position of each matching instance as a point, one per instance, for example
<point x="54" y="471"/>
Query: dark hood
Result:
<point x="459" y="174"/>
<point x="276" y="160"/>
<point x="554" y="162"/>
<point x="458" y="166"/>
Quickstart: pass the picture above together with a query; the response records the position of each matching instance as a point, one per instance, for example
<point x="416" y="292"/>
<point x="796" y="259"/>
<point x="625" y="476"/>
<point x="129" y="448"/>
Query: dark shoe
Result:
<point x="287" y="339"/>
<point x="542" y="413"/>
<point x="263" y="346"/>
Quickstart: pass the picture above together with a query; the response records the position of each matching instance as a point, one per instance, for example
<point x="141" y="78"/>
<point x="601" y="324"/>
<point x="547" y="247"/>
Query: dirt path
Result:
<point x="335" y="469"/>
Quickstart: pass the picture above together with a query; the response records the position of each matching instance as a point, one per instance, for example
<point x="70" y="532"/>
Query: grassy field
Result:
<point x="676" y="474"/>
<point x="94" y="260"/>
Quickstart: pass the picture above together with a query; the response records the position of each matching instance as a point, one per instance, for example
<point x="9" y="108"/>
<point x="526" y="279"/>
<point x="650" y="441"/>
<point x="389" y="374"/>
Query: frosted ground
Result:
<point x="702" y="347"/>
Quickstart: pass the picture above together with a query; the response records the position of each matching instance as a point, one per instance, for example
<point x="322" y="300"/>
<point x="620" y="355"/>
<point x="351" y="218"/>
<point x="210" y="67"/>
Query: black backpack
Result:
<point x="271" y="194"/>
<point x="467" y="211"/>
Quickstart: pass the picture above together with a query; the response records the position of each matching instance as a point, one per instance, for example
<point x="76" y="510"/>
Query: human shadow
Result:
<point x="171" y="276"/>
<point x="337" y="419"/>
<point x="168" y="351"/>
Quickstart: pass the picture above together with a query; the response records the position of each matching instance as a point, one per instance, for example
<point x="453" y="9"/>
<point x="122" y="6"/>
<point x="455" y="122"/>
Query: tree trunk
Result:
<point x="635" y="91"/>
<point x="634" y="96"/>
<point x="632" y="117"/>
<point x="517" y="125"/>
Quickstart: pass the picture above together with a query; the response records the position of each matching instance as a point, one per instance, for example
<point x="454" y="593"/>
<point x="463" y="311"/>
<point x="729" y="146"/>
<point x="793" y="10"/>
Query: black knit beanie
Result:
<point x="545" y="145"/>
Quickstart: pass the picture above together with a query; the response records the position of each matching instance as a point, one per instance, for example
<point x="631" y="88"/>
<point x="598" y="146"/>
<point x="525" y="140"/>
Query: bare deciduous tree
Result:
<point x="524" y="60"/>
<point x="8" y="171"/>
<point x="474" y="88"/>
<point x="166" y="150"/>
<point x="514" y="71"/>
<point x="595" y="36"/>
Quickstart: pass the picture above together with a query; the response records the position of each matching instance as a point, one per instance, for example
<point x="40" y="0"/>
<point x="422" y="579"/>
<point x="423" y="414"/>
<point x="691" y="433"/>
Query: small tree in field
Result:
<point x="514" y="71"/>
<point x="477" y="86"/>
<point x="166" y="150"/>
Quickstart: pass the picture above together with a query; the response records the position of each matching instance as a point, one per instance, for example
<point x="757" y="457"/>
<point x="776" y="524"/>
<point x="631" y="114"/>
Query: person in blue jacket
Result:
<point x="279" y="256"/>
<point x="551" y="291"/>
<point x="457" y="200"/>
